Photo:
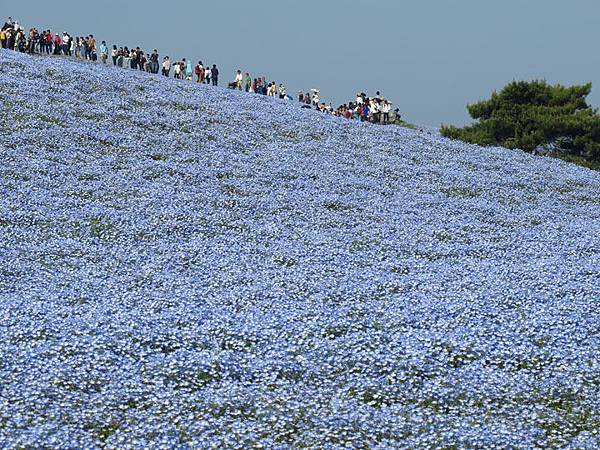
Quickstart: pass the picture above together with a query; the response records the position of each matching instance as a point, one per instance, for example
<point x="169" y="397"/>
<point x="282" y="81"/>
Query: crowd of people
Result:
<point x="366" y="109"/>
<point x="12" y="36"/>
<point x="369" y="109"/>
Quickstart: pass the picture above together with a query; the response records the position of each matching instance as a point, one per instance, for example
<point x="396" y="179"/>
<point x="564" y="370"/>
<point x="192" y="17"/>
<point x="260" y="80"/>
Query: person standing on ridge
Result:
<point x="126" y="58"/>
<point x="3" y="38"/>
<point x="148" y="67"/>
<point x="189" y="71"/>
<point x="73" y="45"/>
<point x="214" y="75"/>
<point x="31" y="40"/>
<point x="142" y="61"/>
<point x="86" y="47"/>
<point x="239" y="79"/>
<point x="385" y="109"/>
<point x="10" y="39"/>
<point x="103" y="52"/>
<point x="49" y="42"/>
<point x="114" y="54"/>
<point x="57" y="44"/>
<point x="78" y="47"/>
<point x="364" y="114"/>
<point x="248" y="82"/>
<point x="199" y="72"/>
<point x="166" y="66"/>
<point x="8" y="24"/>
<point x="66" y="44"/>
<point x="135" y="58"/>
<point x="207" y="74"/>
<point x="154" y="61"/>
<point x="91" y="47"/>
<point x="203" y="72"/>
<point x="307" y="100"/>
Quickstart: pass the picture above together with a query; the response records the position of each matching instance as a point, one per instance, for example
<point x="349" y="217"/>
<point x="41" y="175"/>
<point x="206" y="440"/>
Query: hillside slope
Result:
<point x="181" y="264"/>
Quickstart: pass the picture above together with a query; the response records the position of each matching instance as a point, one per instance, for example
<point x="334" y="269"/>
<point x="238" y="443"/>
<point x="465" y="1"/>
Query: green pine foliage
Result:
<point x="537" y="117"/>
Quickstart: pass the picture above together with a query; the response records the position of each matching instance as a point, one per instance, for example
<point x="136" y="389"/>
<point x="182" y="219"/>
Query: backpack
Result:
<point x="198" y="72"/>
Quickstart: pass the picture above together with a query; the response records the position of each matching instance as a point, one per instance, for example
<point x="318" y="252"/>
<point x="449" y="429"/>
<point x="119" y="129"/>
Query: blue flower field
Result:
<point x="194" y="267"/>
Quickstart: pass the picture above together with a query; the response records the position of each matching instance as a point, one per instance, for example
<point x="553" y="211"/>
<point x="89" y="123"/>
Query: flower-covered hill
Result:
<point x="182" y="265"/>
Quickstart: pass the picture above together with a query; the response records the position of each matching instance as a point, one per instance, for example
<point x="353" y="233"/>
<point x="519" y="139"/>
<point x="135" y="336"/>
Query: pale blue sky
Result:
<point x="430" y="57"/>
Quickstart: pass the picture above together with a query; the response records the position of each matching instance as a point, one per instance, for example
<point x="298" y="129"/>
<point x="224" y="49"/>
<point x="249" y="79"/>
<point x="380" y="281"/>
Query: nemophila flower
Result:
<point x="187" y="266"/>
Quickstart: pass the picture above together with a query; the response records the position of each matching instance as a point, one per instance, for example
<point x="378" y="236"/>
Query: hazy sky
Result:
<point x="430" y="57"/>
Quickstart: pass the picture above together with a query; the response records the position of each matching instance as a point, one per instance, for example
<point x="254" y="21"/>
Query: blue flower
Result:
<point x="187" y="266"/>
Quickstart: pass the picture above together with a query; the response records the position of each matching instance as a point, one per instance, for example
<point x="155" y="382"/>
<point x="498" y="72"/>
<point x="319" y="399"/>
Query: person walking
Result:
<point x="214" y="75"/>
